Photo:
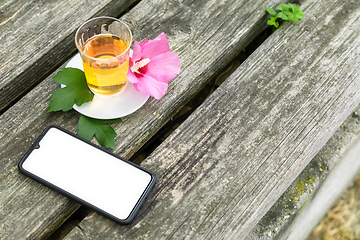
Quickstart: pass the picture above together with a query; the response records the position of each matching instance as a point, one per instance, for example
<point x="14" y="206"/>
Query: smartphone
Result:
<point x="88" y="174"/>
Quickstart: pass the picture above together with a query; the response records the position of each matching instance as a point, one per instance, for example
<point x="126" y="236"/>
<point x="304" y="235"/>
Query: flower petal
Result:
<point x="131" y="77"/>
<point x="151" y="48"/>
<point x="136" y="55"/>
<point x="164" y="67"/>
<point x="149" y="85"/>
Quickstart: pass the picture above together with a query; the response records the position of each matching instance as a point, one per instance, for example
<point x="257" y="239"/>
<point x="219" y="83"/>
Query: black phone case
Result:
<point x="82" y="201"/>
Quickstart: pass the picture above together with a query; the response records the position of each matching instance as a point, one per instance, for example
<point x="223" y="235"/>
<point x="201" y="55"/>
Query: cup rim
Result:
<point x="99" y="59"/>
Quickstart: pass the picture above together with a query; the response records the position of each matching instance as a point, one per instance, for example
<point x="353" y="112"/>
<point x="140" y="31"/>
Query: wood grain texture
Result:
<point x="205" y="34"/>
<point x="330" y="191"/>
<point x="224" y="167"/>
<point x="38" y="36"/>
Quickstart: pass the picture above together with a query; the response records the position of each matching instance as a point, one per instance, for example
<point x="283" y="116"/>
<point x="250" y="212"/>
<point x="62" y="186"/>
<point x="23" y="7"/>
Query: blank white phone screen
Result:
<point x="92" y="175"/>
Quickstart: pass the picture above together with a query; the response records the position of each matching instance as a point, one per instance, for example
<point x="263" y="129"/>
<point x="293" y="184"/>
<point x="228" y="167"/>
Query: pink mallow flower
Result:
<point x="152" y="66"/>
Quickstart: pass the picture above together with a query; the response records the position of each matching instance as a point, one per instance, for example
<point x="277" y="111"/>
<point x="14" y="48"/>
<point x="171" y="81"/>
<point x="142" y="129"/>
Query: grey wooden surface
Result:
<point x="224" y="167"/>
<point x="339" y="179"/>
<point x="308" y="199"/>
<point x="206" y="35"/>
<point x="37" y="37"/>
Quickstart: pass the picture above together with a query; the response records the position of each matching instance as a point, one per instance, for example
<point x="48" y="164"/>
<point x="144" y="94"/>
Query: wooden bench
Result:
<point x="225" y="166"/>
<point x="30" y="210"/>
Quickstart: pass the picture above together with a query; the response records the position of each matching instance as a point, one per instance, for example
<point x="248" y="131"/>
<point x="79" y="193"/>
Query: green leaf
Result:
<point x="76" y="90"/>
<point x="283" y="7"/>
<point x="298" y="13"/>
<point x="282" y="16"/>
<point x="273" y="21"/>
<point x="105" y="134"/>
<point x="271" y="11"/>
<point x="287" y="12"/>
<point x="292" y="17"/>
<point x="291" y="6"/>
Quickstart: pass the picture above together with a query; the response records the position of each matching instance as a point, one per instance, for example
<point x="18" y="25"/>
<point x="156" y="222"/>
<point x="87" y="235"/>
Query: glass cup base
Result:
<point x="110" y="95"/>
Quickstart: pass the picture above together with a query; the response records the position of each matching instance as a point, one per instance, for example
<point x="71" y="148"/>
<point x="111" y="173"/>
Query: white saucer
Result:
<point x="127" y="102"/>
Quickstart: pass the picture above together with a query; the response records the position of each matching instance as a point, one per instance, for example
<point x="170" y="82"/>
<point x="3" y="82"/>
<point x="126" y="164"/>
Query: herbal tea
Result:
<point x="105" y="74"/>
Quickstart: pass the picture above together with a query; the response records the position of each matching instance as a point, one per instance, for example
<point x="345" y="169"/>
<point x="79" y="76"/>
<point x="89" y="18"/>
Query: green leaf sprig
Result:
<point x="104" y="133"/>
<point x="287" y="12"/>
<point x="76" y="91"/>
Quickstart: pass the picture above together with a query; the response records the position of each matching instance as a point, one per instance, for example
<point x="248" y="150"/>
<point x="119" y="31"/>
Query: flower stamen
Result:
<point x="139" y="64"/>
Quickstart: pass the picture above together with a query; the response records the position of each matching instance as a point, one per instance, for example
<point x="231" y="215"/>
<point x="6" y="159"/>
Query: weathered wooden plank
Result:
<point x="205" y="34"/>
<point x="320" y="184"/>
<point x="224" y="167"/>
<point x="38" y="36"/>
<point x="329" y="192"/>
<point x="21" y="217"/>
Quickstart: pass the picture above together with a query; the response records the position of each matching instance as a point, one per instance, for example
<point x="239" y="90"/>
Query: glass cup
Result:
<point x="104" y="46"/>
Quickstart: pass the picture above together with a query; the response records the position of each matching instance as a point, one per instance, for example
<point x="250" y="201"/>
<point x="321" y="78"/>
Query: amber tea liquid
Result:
<point x="106" y="77"/>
